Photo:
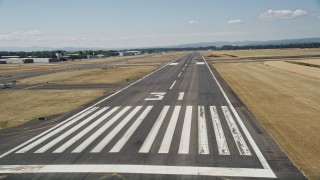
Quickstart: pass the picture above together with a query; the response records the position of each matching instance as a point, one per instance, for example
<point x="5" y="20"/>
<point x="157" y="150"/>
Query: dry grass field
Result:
<point x="295" y="68"/>
<point x="263" y="52"/>
<point x="286" y="104"/>
<point x="11" y="68"/>
<point x="310" y="61"/>
<point x="20" y="106"/>
<point x="93" y="76"/>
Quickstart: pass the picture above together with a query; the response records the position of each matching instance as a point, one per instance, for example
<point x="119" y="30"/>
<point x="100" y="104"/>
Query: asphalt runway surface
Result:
<point x="179" y="122"/>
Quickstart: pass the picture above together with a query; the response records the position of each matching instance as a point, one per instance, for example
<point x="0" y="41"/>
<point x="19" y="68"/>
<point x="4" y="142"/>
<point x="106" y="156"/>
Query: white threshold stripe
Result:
<point x="124" y="139"/>
<point x="70" y="131"/>
<point x="240" y="142"/>
<point x="154" y="131"/>
<point x="43" y="133"/>
<point x="186" y="130"/>
<point x="181" y="94"/>
<point x="243" y="127"/>
<point x="98" y="148"/>
<point x="54" y="132"/>
<point x="179" y="74"/>
<point x="220" y="137"/>
<point x="172" y="84"/>
<point x="166" y="142"/>
<point x="140" y="169"/>
<point x="84" y="132"/>
<point x="202" y="132"/>
<point x="95" y="135"/>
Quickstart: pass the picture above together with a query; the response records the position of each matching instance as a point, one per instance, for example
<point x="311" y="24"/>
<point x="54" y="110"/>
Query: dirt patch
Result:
<point x="286" y="104"/>
<point x="20" y="106"/>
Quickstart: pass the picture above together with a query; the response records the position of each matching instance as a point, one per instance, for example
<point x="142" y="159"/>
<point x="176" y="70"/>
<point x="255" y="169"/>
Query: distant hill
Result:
<point x="245" y="43"/>
<point x="190" y="45"/>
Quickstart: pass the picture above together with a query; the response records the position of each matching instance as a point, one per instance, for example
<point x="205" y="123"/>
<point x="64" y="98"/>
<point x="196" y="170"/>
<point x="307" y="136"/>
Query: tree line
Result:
<point x="107" y="53"/>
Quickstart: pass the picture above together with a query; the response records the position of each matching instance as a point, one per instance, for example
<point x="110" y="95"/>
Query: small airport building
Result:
<point x="129" y="53"/>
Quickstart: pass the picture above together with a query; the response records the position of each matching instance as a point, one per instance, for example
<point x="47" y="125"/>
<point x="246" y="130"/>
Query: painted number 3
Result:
<point x="156" y="96"/>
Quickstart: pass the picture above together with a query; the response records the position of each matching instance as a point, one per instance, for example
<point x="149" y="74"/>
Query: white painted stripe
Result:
<point x="95" y="135"/>
<point x="124" y="139"/>
<point x="183" y="69"/>
<point x="200" y="63"/>
<point x="243" y="127"/>
<point x="85" y="131"/>
<point x="179" y="74"/>
<point x="139" y="169"/>
<point x="43" y="133"/>
<point x="185" y="65"/>
<point x="181" y="94"/>
<point x="87" y="109"/>
<point x="172" y="84"/>
<point x="166" y="142"/>
<point x="115" y="131"/>
<point x="221" y="139"/>
<point x="202" y="132"/>
<point x="154" y="131"/>
<point x="173" y="64"/>
<point x="186" y="130"/>
<point x="54" y="132"/>
<point x="70" y="131"/>
<point x="241" y="144"/>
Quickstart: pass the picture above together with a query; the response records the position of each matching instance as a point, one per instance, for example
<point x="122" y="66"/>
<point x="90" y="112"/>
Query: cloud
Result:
<point x="21" y="35"/>
<point x="235" y="21"/>
<point x="193" y="22"/>
<point x="282" y="14"/>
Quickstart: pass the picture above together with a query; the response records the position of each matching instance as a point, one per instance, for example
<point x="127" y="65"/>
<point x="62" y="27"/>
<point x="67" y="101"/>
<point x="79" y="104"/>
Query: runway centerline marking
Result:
<point x="180" y="74"/>
<point x="174" y="82"/>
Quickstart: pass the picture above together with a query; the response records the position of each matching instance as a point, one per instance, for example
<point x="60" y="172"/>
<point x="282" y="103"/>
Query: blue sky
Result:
<point x="141" y="23"/>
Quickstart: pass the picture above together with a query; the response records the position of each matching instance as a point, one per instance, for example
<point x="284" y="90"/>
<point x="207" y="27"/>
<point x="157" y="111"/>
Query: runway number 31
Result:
<point x="156" y="96"/>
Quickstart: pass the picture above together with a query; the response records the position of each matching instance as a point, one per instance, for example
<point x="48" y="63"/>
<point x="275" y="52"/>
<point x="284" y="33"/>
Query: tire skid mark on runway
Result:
<point x="220" y="137"/>
<point x="203" y="146"/>
<point x="240" y="142"/>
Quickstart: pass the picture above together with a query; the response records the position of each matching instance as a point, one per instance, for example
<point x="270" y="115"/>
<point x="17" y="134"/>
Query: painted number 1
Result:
<point x="157" y="96"/>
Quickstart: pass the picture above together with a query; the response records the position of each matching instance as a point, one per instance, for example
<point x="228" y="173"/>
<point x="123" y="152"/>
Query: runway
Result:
<point x="179" y="122"/>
